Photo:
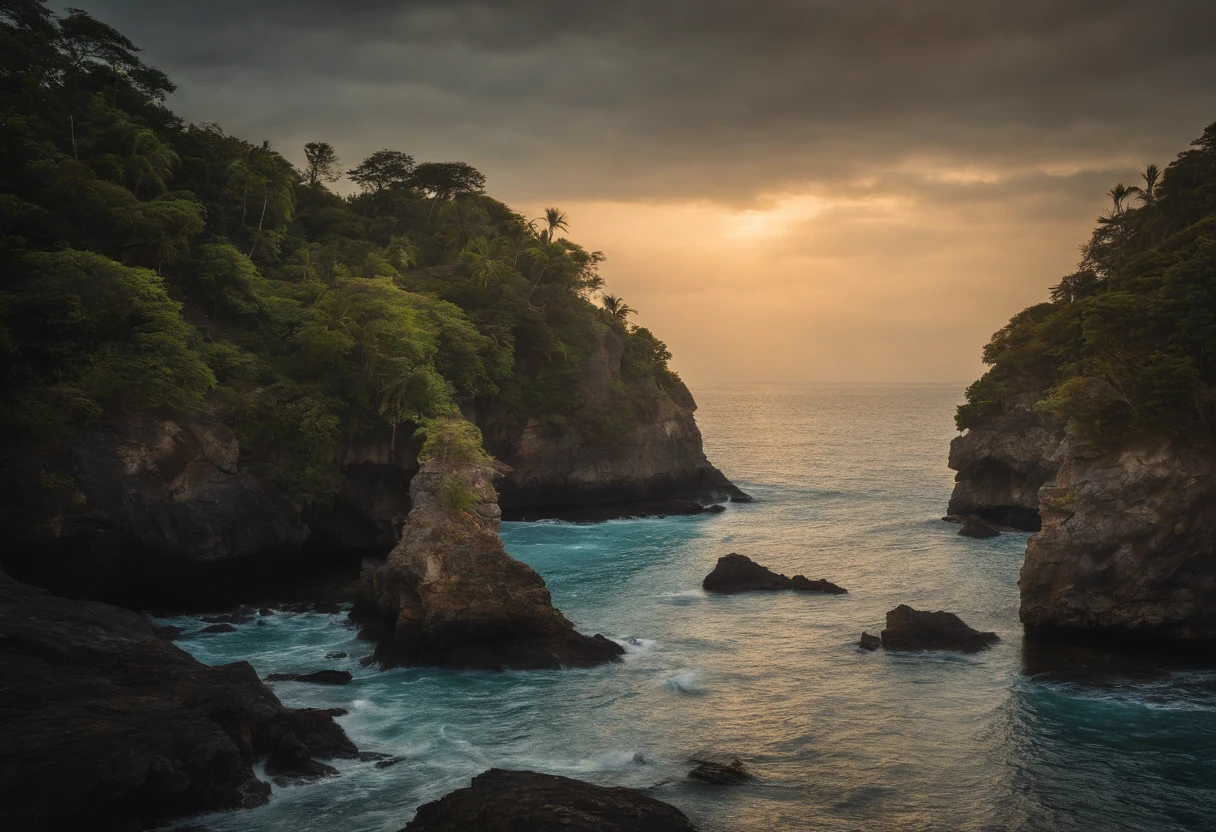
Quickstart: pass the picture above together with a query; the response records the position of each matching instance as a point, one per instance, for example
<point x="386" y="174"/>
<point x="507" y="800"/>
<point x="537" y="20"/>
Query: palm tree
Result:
<point x="1119" y="194"/>
<point x="555" y="219"/>
<point x="1147" y="194"/>
<point x="616" y="307"/>
<point x="482" y="255"/>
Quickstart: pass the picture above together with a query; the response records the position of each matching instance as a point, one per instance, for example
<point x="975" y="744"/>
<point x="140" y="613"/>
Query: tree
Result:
<point x="1119" y="194"/>
<point x="87" y="42"/>
<point x="554" y="219"/>
<point x="443" y="180"/>
<point x="616" y="307"/>
<point x="1147" y="194"/>
<point x="383" y="169"/>
<point x="323" y="163"/>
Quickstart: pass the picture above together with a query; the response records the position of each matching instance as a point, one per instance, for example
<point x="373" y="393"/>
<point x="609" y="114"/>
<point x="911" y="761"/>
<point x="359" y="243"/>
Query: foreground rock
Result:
<point x="319" y="677"/>
<point x="136" y="508"/>
<point x="909" y="629"/>
<point x="733" y="773"/>
<point x="1003" y="462"/>
<point x="449" y="595"/>
<point x="513" y="801"/>
<point x="975" y="527"/>
<point x="1128" y="545"/>
<point x="739" y="573"/>
<point x="869" y="642"/>
<point x="656" y="466"/>
<point x="107" y="726"/>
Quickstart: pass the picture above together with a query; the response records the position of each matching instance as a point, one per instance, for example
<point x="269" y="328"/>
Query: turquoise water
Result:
<point x="850" y="485"/>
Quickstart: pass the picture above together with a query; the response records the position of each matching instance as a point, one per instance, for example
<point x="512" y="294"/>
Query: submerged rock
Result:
<point x="1128" y="545"/>
<point x="319" y="677"/>
<point x="218" y="628"/>
<point x="909" y="629"/>
<point x="107" y="726"/>
<point x="869" y="642"/>
<point x="450" y="595"/>
<point x="729" y="774"/>
<point x="975" y="527"/>
<point x="504" y="801"/>
<point x="336" y="655"/>
<point x="739" y="573"/>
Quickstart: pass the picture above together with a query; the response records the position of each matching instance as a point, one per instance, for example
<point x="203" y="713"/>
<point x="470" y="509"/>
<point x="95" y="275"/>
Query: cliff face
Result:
<point x="657" y="467"/>
<point x="1003" y="463"/>
<point x="449" y="594"/>
<point x="1128" y="543"/>
<point x="133" y="502"/>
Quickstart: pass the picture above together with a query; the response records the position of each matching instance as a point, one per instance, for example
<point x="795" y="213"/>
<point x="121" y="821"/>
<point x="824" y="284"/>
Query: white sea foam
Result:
<point x="688" y="682"/>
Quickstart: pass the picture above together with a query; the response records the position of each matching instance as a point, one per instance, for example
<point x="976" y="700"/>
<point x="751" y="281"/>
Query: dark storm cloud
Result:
<point x="676" y="98"/>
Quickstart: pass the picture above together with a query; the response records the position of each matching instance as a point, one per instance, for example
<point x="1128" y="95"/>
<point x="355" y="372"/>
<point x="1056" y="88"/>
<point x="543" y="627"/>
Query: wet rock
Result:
<point x="238" y="617"/>
<point x="729" y="774"/>
<point x="909" y="629"/>
<point x="336" y="655"/>
<point x="291" y="762"/>
<point x="107" y="726"/>
<point x="739" y="573"/>
<point x="319" y="677"/>
<point x="975" y="527"/>
<point x="169" y="632"/>
<point x="265" y="611"/>
<point x="954" y="518"/>
<point x="450" y="595"/>
<point x="525" y="800"/>
<point x="869" y="642"/>
<point x="389" y="763"/>
<point x="218" y="628"/>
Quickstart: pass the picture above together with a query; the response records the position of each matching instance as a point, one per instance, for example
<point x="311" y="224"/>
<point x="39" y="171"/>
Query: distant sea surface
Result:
<point x="850" y="484"/>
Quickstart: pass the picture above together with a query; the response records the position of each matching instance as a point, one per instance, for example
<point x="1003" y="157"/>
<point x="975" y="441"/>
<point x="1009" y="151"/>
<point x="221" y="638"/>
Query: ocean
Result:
<point x="850" y="485"/>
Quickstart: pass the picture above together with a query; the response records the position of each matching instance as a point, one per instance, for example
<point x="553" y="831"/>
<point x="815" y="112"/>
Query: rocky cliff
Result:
<point x="106" y="726"/>
<point x="134" y="505"/>
<point x="657" y="466"/>
<point x="449" y="594"/>
<point x="1003" y="462"/>
<point x="1128" y="543"/>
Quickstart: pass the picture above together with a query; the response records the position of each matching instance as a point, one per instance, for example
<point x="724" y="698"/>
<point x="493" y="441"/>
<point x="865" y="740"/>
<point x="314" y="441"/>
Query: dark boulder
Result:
<point x="869" y="642"/>
<point x="336" y="655"/>
<point x="291" y="762"/>
<point x="218" y="628"/>
<point x="729" y="774"/>
<point x="514" y="801"/>
<point x="975" y="527"/>
<point x="739" y="573"/>
<point x="107" y="726"/>
<point x="909" y="629"/>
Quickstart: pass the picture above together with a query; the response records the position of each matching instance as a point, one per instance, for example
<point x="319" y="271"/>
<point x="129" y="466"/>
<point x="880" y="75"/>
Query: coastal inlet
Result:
<point x="850" y="483"/>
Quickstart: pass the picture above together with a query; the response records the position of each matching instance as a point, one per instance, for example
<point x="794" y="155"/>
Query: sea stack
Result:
<point x="450" y="595"/>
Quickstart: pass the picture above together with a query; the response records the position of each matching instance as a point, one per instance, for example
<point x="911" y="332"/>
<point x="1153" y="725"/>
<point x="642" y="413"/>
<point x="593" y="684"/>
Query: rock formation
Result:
<point x="909" y="629"/>
<point x="449" y="594"/>
<point x="123" y="510"/>
<point x="658" y="468"/>
<point x="739" y="573"/>
<point x="1003" y="462"/>
<point x="107" y="726"/>
<point x="733" y="773"/>
<point x="501" y="801"/>
<point x="977" y="528"/>
<point x="1128" y="543"/>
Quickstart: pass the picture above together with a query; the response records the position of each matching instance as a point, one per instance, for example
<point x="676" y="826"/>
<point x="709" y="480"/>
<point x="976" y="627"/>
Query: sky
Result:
<point x="789" y="191"/>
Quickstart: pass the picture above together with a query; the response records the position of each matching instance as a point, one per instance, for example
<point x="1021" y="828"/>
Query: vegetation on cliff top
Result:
<point x="1127" y="344"/>
<point x="148" y="263"/>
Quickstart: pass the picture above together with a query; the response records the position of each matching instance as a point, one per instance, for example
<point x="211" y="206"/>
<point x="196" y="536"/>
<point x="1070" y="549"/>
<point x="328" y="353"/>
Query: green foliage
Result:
<point x="147" y="263"/>
<point x="456" y="496"/>
<point x="1128" y="344"/>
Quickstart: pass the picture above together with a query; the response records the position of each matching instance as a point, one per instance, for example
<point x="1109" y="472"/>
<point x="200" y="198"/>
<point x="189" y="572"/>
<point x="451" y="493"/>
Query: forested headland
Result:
<point x="1126" y="346"/>
<point x="148" y="264"/>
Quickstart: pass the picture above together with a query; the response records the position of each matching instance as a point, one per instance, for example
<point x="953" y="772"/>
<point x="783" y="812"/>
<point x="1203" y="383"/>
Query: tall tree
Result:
<point x="442" y="181"/>
<point x="383" y="169"/>
<point x="323" y="163"/>
<point x="555" y="219"/>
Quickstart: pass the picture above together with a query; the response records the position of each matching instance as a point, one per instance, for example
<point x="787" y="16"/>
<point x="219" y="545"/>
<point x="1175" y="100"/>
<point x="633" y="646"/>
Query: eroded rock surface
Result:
<point x="1003" y="462"/>
<point x="104" y="725"/>
<point x="977" y="528"/>
<point x="739" y="573"/>
<point x="513" y="801"/>
<point x="658" y="467"/>
<point x="909" y="629"/>
<point x="449" y="594"/>
<point x="140" y="501"/>
<point x="1128" y="543"/>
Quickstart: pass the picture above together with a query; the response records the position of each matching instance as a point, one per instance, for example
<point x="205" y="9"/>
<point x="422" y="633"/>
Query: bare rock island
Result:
<point x="450" y="595"/>
<point x="910" y="629"/>
<point x="739" y="573"/>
